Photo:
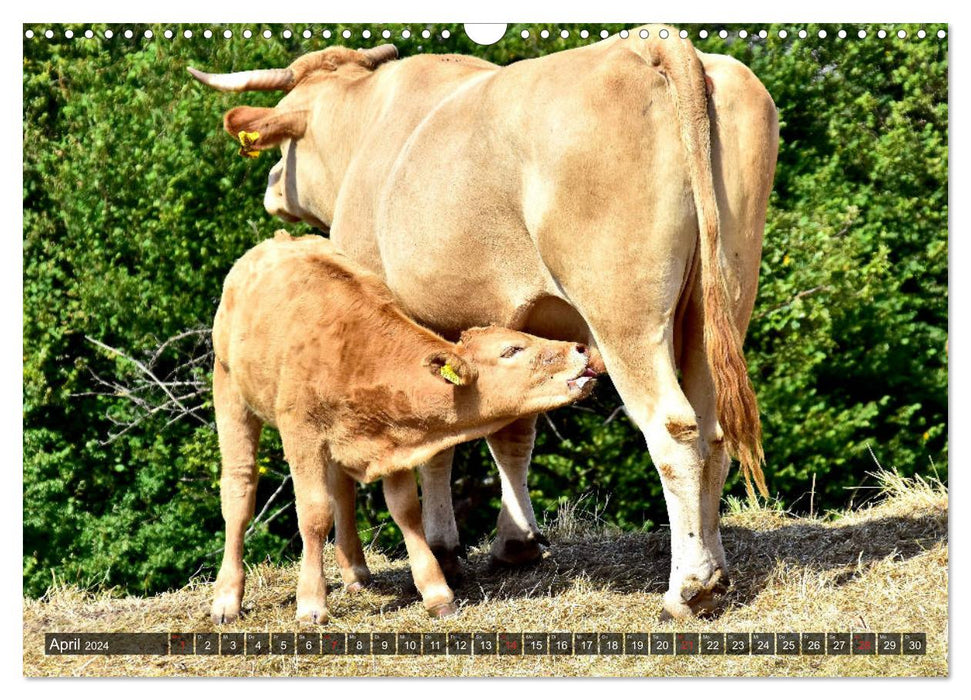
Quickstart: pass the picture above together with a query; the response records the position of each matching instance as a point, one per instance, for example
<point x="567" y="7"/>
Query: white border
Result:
<point x="510" y="11"/>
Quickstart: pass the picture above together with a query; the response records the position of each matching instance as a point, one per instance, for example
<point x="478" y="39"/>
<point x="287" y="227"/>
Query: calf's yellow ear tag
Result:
<point x="449" y="373"/>
<point x="246" y="141"/>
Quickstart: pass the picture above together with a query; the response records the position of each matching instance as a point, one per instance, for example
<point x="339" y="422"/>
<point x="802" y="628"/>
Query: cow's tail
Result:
<point x="736" y="405"/>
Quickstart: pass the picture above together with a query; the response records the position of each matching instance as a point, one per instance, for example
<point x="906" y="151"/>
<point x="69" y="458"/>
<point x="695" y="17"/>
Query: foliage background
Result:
<point x="135" y="206"/>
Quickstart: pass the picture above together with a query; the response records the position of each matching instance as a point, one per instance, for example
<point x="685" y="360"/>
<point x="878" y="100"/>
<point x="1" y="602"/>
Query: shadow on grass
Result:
<point x="639" y="562"/>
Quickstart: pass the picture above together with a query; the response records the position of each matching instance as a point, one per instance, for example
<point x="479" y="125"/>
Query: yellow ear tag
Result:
<point x="246" y="141"/>
<point x="449" y="374"/>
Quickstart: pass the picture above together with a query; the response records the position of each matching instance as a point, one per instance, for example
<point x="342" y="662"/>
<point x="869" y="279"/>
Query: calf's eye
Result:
<point x="510" y="351"/>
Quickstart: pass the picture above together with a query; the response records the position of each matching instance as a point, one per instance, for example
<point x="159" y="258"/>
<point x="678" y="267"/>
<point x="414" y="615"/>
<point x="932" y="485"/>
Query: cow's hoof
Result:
<point x="701" y="605"/>
<point x="443" y="610"/>
<point x="312" y="614"/>
<point x="507" y="553"/>
<point x="448" y="560"/>
<point x="355" y="587"/>
<point x="225" y="610"/>
<point x="696" y="598"/>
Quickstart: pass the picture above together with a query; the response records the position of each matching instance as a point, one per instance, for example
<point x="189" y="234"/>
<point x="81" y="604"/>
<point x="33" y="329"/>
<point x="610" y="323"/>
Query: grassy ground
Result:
<point x="883" y="568"/>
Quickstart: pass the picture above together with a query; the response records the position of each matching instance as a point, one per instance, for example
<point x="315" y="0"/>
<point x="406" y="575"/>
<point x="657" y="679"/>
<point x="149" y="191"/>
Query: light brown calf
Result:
<point x="308" y="342"/>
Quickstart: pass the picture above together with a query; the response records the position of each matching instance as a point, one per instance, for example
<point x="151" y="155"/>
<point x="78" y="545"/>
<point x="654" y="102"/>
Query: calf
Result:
<point x="310" y="343"/>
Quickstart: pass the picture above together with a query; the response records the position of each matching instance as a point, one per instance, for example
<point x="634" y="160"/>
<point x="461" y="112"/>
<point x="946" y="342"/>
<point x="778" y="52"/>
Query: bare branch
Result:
<point x="553" y="427"/>
<point x="145" y="370"/>
<point x="269" y="520"/>
<point x="266" y="507"/>
<point x="172" y="382"/>
<point x="197" y="332"/>
<point x="614" y="414"/>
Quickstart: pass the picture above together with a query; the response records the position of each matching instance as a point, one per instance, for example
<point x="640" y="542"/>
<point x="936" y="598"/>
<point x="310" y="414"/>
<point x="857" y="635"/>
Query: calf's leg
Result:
<point x="518" y="537"/>
<point x="350" y="554"/>
<point x="239" y="436"/>
<point x="315" y="516"/>
<point x="437" y="515"/>
<point x="401" y="496"/>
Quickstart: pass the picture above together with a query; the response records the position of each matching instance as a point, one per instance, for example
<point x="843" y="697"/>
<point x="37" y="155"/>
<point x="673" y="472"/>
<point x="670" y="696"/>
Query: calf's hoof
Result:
<point x="357" y="583"/>
<point x="518" y="552"/>
<point x="225" y="609"/>
<point x="443" y="610"/>
<point x="448" y="560"/>
<point x="696" y="598"/>
<point x="312" y="614"/>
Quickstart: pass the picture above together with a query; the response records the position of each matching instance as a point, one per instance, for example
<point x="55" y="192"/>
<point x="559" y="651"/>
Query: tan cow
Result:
<point x="308" y="342"/>
<point x="612" y="194"/>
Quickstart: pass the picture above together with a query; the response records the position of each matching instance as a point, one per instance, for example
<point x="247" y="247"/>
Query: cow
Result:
<point x="308" y="342"/>
<point x="613" y="195"/>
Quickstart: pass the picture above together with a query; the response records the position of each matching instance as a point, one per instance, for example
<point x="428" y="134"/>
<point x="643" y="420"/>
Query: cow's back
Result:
<point x="460" y="220"/>
<point x="401" y="96"/>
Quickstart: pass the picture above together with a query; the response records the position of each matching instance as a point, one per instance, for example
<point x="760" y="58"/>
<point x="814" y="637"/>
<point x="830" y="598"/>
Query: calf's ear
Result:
<point x="450" y="368"/>
<point x="264" y="127"/>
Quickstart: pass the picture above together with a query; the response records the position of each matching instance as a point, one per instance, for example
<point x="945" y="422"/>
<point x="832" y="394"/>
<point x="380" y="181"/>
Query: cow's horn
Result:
<point x="266" y="79"/>
<point x="380" y="54"/>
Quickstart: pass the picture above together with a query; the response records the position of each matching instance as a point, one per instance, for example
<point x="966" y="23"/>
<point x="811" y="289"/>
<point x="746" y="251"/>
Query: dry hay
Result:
<point x="883" y="568"/>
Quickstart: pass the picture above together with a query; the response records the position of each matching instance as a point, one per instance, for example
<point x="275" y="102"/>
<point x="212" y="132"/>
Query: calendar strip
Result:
<point x="488" y="643"/>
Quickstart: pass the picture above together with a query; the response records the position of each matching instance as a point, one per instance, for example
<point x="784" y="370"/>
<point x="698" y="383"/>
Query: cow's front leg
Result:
<point x="518" y="537"/>
<point x="401" y="496"/>
<point x="438" y="516"/>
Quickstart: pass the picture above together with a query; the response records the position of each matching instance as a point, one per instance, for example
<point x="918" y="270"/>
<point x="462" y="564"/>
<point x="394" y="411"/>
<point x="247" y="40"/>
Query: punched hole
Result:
<point x="485" y="34"/>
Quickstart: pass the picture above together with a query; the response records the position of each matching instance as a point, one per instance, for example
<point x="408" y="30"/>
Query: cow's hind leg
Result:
<point x="518" y="537"/>
<point x="239" y="435"/>
<point x="315" y="515"/>
<point x="438" y="516"/>
<point x="401" y="496"/>
<point x="674" y="439"/>
<point x="700" y="391"/>
<point x="350" y="554"/>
